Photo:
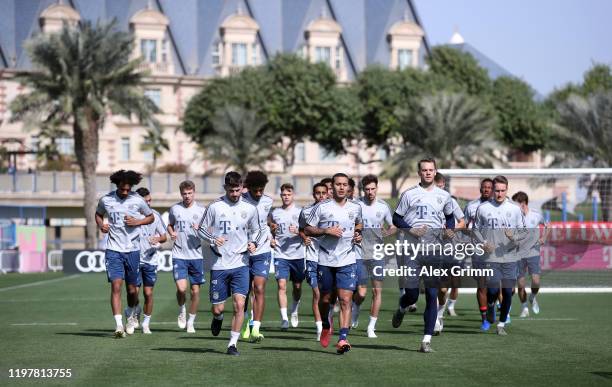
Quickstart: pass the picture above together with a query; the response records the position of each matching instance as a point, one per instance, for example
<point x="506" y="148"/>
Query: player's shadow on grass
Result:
<point x="105" y="334"/>
<point x="603" y="374"/>
<point x="189" y="350"/>
<point x="191" y="337"/>
<point x="383" y="347"/>
<point x="288" y="349"/>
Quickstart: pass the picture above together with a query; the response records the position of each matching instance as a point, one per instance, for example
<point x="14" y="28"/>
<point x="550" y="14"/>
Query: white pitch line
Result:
<point x="42" y="323"/>
<point x="545" y="290"/>
<point x="39" y="283"/>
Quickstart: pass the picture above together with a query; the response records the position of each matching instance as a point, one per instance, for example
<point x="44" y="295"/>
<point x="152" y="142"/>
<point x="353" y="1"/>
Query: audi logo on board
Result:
<point x="92" y="261"/>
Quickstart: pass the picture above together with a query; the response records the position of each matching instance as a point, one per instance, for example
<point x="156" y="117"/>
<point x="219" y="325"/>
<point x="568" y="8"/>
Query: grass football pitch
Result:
<point x="55" y="321"/>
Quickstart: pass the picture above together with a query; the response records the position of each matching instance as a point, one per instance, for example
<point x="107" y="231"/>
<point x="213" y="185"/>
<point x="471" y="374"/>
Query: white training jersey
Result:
<point x="264" y="206"/>
<point x="185" y="221"/>
<point x="375" y="215"/>
<point x="420" y="207"/>
<point x="457" y="213"/>
<point x="336" y="252"/>
<point x="148" y="252"/>
<point x="492" y="221"/>
<point x="312" y="251"/>
<point x="530" y="246"/>
<point x="123" y="238"/>
<point x="470" y="211"/>
<point x="238" y="223"/>
<point x="289" y="244"/>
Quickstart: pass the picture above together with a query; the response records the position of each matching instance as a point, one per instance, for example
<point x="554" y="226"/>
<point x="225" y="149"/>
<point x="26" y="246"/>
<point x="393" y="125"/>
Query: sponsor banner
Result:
<point x="32" y="243"/>
<point x="92" y="261"/>
<point x="576" y="256"/>
<point x="580" y="232"/>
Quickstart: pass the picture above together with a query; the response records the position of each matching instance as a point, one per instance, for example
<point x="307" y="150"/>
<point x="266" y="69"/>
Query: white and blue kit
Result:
<point x="123" y="243"/>
<point x="529" y="248"/>
<point x="375" y="215"/>
<point x="149" y="254"/>
<point x="238" y="223"/>
<point x="259" y="262"/>
<point x="289" y="252"/>
<point x="187" y="259"/>
<point x="312" y="251"/>
<point x="336" y="255"/>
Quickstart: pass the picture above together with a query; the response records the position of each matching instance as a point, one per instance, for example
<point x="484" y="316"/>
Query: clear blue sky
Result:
<point x="545" y="42"/>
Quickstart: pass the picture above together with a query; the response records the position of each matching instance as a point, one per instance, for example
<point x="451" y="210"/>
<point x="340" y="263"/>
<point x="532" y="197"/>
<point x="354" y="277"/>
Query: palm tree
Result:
<point x="80" y="75"/>
<point x="582" y="137"/>
<point x="238" y="140"/>
<point x="155" y="143"/>
<point x="452" y="128"/>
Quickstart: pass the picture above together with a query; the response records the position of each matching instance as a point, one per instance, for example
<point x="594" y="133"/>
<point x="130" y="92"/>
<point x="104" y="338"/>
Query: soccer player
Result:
<point x="187" y="258"/>
<point x="328" y="181"/>
<point x="351" y="192"/>
<point x="151" y="237"/>
<point x="377" y="223"/>
<point x="126" y="211"/>
<point x="530" y="253"/>
<point x="311" y="245"/>
<point x="232" y="227"/>
<point x="259" y="261"/>
<point x="422" y="213"/>
<point x="289" y="254"/>
<point x="486" y="193"/>
<point x="500" y="226"/>
<point x="338" y="223"/>
<point x="440" y="181"/>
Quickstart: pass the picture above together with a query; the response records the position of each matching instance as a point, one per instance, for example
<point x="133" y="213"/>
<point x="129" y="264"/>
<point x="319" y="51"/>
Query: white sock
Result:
<point x="402" y="309"/>
<point x="234" y="338"/>
<point x="256" y="325"/>
<point x="283" y="314"/>
<point x="119" y="320"/>
<point x="451" y="304"/>
<point x="146" y="320"/>
<point x="219" y="317"/>
<point x="501" y="324"/>
<point x="427" y="338"/>
<point x="295" y="306"/>
<point x="319" y="325"/>
<point x="372" y="323"/>
<point x="191" y="319"/>
<point x="524" y="305"/>
<point x="182" y="309"/>
<point x="532" y="297"/>
<point x="441" y="309"/>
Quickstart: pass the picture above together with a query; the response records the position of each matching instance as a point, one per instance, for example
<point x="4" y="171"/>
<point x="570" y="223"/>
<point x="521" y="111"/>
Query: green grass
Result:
<point x="569" y="343"/>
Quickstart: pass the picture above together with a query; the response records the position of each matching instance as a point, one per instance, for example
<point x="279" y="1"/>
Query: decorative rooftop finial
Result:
<point x="406" y="15"/>
<point x="149" y="4"/>
<point x="324" y="13"/>
<point x="239" y="9"/>
<point x="456" y="38"/>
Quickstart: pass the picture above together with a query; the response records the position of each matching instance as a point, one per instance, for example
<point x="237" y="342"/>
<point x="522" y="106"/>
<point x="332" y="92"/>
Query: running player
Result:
<point x="259" y="262"/>
<point x="126" y="211"/>
<point x="231" y="225"/>
<point x="500" y="226"/>
<point x="288" y="254"/>
<point x="328" y="183"/>
<point x="151" y="237"/>
<point x="440" y="181"/>
<point x="486" y="193"/>
<point x="311" y="244"/>
<point x="422" y="213"/>
<point x="377" y="223"/>
<point x="338" y="222"/>
<point x="187" y="259"/>
<point x="530" y="253"/>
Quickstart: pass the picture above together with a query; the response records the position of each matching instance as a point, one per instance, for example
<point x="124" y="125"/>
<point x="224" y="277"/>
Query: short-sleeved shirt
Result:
<point x="264" y="206"/>
<point x="375" y="215"/>
<point x="457" y="213"/>
<point x="420" y="207"/>
<point x="312" y="251"/>
<point x="492" y="220"/>
<point x="187" y="244"/>
<point x="238" y="223"/>
<point x="123" y="238"/>
<point x="148" y="252"/>
<point x="336" y="252"/>
<point x="289" y="244"/>
<point x="470" y="211"/>
<point x="530" y="246"/>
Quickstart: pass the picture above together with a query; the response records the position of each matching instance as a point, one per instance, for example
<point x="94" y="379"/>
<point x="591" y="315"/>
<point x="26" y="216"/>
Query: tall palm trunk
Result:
<point x="86" y="150"/>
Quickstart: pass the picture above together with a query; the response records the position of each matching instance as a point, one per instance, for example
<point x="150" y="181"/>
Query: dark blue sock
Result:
<point x="410" y="297"/>
<point x="492" y="294"/>
<point x="343" y="333"/>
<point x="505" y="305"/>
<point x="431" y="310"/>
